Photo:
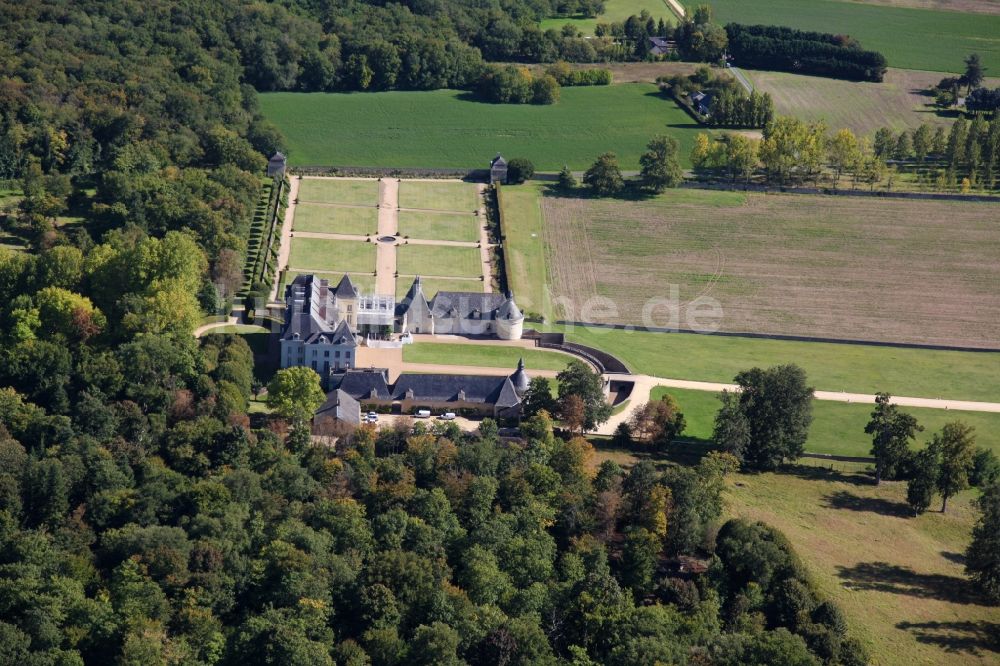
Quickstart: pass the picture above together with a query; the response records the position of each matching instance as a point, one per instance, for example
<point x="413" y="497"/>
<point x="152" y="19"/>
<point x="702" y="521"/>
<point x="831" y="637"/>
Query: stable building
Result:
<point x="482" y="395"/>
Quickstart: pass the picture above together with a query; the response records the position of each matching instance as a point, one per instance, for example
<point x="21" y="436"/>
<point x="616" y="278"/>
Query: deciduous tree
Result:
<point x="891" y="432"/>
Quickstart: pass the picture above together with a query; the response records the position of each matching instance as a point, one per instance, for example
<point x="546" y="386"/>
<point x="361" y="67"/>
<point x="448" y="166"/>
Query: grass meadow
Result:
<point x="439" y="226"/>
<point x="524" y="244"/>
<point x="335" y="219"/>
<point x="838" y="428"/>
<point x="446" y="128"/>
<point x="908" y="38"/>
<point x="430" y="195"/>
<point x="438" y="260"/>
<point x="855" y="268"/>
<point x="325" y="255"/>
<point x="615" y="11"/>
<point x="361" y="192"/>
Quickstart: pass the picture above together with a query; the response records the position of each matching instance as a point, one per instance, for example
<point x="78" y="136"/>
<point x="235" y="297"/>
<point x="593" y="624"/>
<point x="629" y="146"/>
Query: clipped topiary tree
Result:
<point x="519" y="170"/>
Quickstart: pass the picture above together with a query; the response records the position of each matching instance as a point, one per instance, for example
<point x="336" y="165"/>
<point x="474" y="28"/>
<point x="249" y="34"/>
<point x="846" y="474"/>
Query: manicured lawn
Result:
<point x="432" y="286"/>
<point x="524" y="244"/>
<point x="335" y="219"/>
<point x="439" y="226"/>
<point x="908" y="38"/>
<point x="838" y="428"/>
<point x="830" y="367"/>
<point x="439" y="260"/>
<point x="337" y="256"/>
<point x="615" y="11"/>
<point x="446" y="128"/>
<point x="362" y="192"/>
<point x="429" y="195"/>
<point x="484" y="355"/>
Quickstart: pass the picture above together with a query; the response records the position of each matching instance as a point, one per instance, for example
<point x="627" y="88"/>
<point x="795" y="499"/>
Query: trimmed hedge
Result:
<point x="816" y="53"/>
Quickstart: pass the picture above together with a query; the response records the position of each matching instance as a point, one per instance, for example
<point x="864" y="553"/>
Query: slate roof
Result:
<point x="340" y="405"/>
<point x="413" y="299"/>
<point x="502" y="391"/>
<point x="498" y="161"/>
<point x="345" y="288"/>
<point x="465" y="305"/>
<point x="446" y="388"/>
<point x="359" y="384"/>
<point x="509" y="310"/>
<point x="309" y="307"/>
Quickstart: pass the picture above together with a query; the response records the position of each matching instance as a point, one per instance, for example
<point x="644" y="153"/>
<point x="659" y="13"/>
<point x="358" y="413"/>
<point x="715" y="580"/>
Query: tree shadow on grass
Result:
<point x="812" y="473"/>
<point x="896" y="579"/>
<point x="843" y="499"/>
<point x="973" y="638"/>
<point x="957" y="558"/>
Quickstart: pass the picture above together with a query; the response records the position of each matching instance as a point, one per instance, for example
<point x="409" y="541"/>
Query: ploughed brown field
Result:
<point x="859" y="269"/>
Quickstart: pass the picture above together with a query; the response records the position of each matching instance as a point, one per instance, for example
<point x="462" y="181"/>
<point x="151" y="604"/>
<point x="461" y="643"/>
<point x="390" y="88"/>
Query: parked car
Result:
<point x="447" y="416"/>
<point x="423" y="413"/>
<point x="372" y="417"/>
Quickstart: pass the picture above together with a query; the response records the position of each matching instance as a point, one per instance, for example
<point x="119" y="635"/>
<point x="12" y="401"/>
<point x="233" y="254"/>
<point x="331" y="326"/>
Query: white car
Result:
<point x="447" y="416"/>
<point x="372" y="417"/>
<point x="423" y="413"/>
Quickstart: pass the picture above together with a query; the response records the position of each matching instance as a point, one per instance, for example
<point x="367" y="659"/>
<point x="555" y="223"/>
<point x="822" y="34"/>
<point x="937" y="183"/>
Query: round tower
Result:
<point x="509" y="320"/>
<point x="520" y="378"/>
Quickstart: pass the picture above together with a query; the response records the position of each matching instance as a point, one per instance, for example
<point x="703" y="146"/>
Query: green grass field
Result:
<point x="325" y="190"/>
<point x="524" y="246"/>
<point x="908" y="38"/>
<point x="444" y="128"/>
<point x="830" y="367"/>
<point x="838" y="428"/>
<point x="615" y="11"/>
<point x="335" y="219"/>
<point x="438" y="260"/>
<point x="432" y="286"/>
<point x="430" y="195"/>
<point x="483" y="355"/>
<point x="439" y="226"/>
<point x="337" y="256"/>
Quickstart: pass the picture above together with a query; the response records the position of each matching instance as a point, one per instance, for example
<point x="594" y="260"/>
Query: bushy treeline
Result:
<point x="568" y="76"/>
<point x="511" y="84"/>
<point x="162" y="530"/>
<point x="964" y="156"/>
<point x="983" y="100"/>
<point x="730" y="105"/>
<point x="789" y="50"/>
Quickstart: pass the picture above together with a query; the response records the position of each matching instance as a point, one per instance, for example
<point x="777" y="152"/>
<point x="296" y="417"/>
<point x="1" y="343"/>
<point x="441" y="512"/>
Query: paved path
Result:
<point x="484" y="242"/>
<point x="645" y="383"/>
<point x="205" y="328"/>
<point x="388" y="224"/>
<point x="286" y="235"/>
<point x="742" y="79"/>
<point x="676" y="7"/>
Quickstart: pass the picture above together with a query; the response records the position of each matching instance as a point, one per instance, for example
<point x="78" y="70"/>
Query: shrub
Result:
<point x="519" y="169"/>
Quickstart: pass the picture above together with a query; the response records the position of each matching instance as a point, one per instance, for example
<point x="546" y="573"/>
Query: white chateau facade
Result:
<point x="323" y="322"/>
